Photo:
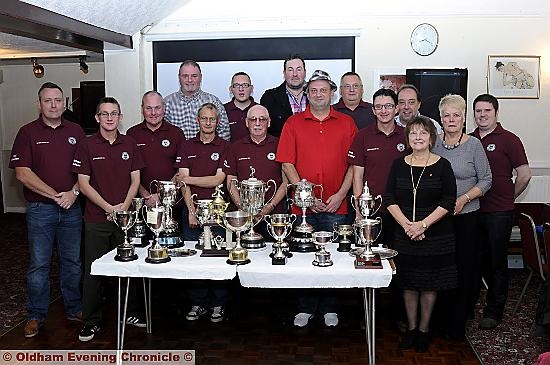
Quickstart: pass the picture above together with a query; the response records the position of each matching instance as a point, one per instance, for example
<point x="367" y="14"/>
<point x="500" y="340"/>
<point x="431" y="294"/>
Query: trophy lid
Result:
<point x="304" y="184"/>
<point x="366" y="193"/>
<point x="252" y="181"/>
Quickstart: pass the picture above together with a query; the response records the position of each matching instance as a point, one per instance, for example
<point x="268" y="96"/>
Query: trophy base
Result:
<point x="126" y="258"/>
<point x="171" y="241"/>
<point x="288" y="254"/>
<point x="344" y="247"/>
<point x="372" y="262"/>
<point x="321" y="263"/>
<point x="139" y="241"/>
<point x="214" y="252"/>
<point x="279" y="260"/>
<point x="232" y="262"/>
<point x="157" y="261"/>
<point x="302" y="243"/>
<point x="252" y="244"/>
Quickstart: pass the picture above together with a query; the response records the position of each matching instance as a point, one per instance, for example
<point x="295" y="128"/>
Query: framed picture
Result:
<point x="389" y="79"/>
<point x="515" y="77"/>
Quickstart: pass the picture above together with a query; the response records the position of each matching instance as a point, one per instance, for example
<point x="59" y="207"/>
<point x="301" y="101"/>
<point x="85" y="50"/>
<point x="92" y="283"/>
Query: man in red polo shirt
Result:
<point x="42" y="155"/>
<point x="200" y="163"/>
<point x="313" y="146"/>
<point x="373" y="152"/>
<point x="107" y="164"/>
<point x="506" y="154"/>
<point x="241" y="88"/>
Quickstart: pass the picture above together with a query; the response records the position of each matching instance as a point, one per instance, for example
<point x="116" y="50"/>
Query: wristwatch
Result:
<point x="76" y="192"/>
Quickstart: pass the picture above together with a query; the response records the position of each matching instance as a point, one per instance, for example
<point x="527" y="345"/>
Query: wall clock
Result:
<point x="424" y="39"/>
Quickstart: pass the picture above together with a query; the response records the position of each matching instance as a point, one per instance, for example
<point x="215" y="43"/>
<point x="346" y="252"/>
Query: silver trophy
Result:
<point x="322" y="256"/>
<point x="343" y="231"/>
<point x="154" y="218"/>
<point x="304" y="198"/>
<point x="280" y="226"/>
<point x="125" y="220"/>
<point x="205" y="216"/>
<point x="138" y="233"/>
<point x="168" y="194"/>
<point x="237" y="222"/>
<point x="252" y="195"/>
<point x="365" y="204"/>
<point x="368" y="231"/>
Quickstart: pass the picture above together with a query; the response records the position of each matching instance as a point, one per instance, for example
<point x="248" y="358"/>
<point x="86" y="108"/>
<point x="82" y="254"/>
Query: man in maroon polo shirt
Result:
<point x="351" y="100"/>
<point x="107" y="164"/>
<point x="313" y="146"/>
<point x="158" y="141"/>
<point x="241" y="88"/>
<point x="200" y="163"/>
<point x="373" y="152"/>
<point x="42" y="155"/>
<point x="506" y="154"/>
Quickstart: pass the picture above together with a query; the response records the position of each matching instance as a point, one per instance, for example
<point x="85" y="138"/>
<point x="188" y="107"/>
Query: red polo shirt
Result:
<point x="158" y="150"/>
<point x="318" y="149"/>
<point x="237" y="119"/>
<point x="376" y="151"/>
<point x="505" y="152"/>
<point x="362" y="114"/>
<point x="109" y="167"/>
<point x="245" y="153"/>
<point x="49" y="153"/>
<point x="202" y="159"/>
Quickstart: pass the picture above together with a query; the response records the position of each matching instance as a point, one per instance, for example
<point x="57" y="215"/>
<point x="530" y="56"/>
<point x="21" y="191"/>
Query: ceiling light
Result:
<point x="83" y="65"/>
<point x="37" y="70"/>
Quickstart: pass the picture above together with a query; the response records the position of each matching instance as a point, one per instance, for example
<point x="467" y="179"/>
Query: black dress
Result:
<point x="429" y="264"/>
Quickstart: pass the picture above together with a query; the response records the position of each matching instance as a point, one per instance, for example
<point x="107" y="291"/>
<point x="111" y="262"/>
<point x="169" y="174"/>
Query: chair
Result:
<point x="534" y="258"/>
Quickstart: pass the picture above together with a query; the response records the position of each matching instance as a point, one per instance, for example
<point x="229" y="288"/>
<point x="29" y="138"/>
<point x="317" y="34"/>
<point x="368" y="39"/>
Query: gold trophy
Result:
<point x="168" y="193"/>
<point x="304" y="197"/>
<point x="154" y="218"/>
<point x="138" y="233"/>
<point x="280" y="226"/>
<point x="205" y="216"/>
<point x="125" y="220"/>
<point x="218" y="204"/>
<point x="237" y="222"/>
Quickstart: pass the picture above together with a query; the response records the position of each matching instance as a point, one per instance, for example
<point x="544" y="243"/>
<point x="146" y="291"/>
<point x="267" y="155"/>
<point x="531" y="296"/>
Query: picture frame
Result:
<point x="513" y="77"/>
<point x="388" y="79"/>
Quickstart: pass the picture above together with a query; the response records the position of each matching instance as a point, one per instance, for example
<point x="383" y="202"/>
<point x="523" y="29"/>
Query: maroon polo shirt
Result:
<point x="109" y="167"/>
<point x="376" y="151"/>
<point x="49" y="153"/>
<point x="362" y="115"/>
<point x="237" y="119"/>
<point x="505" y="152"/>
<point x="158" y="150"/>
<point x="202" y="159"/>
<point x="245" y="153"/>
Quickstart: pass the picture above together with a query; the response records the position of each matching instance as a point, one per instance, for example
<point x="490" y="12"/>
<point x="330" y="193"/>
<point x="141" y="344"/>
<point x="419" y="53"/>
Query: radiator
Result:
<point x="538" y="191"/>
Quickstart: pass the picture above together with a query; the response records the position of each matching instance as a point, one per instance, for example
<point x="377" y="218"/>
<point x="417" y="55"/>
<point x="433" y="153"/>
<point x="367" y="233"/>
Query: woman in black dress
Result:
<point x="420" y="193"/>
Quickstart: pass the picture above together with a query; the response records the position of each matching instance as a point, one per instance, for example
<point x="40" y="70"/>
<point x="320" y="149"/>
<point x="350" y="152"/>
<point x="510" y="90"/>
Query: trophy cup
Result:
<point x="168" y="193"/>
<point x="125" y="220"/>
<point x="252" y="195"/>
<point x="302" y="240"/>
<point x="368" y="232"/>
<point x="237" y="222"/>
<point x="343" y="231"/>
<point x="205" y="216"/>
<point x="154" y="218"/>
<point x="366" y="205"/>
<point x="279" y="226"/>
<point x="218" y="204"/>
<point x="322" y="256"/>
<point x="138" y="233"/>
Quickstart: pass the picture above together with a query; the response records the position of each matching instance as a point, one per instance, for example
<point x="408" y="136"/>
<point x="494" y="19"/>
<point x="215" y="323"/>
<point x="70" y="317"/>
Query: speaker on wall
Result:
<point x="433" y="84"/>
<point x="90" y="94"/>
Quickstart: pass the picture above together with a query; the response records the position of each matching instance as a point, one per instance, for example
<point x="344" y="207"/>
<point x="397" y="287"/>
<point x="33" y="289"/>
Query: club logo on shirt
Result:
<point x="271" y="156"/>
<point x="125" y="156"/>
<point x="72" y="140"/>
<point x="400" y="147"/>
<point x="165" y="143"/>
<point x="491" y="147"/>
<point x="215" y="156"/>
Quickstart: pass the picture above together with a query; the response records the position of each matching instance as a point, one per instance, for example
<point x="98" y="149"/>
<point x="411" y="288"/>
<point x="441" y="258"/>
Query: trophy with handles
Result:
<point x="205" y="215"/>
<point x="368" y="231"/>
<point x="280" y="226"/>
<point x="365" y="204"/>
<point x="125" y="219"/>
<point x="303" y="197"/>
<point x="168" y="193"/>
<point x="154" y="218"/>
<point x="322" y="256"/>
<point x="138" y="234"/>
<point x="237" y="222"/>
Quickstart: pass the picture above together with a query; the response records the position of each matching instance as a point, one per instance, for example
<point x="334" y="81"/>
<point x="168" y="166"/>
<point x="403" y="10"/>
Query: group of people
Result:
<point x="448" y="196"/>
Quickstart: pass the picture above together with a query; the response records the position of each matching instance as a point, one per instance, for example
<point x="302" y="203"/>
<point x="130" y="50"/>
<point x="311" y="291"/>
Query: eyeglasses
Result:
<point x="244" y="85"/>
<point x="206" y="119"/>
<point x="260" y="119"/>
<point x="106" y="115"/>
<point x="385" y="106"/>
<point x="352" y="86"/>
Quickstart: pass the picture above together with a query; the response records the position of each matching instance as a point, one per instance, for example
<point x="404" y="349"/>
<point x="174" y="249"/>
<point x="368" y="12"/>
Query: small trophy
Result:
<point x="125" y="220"/>
<point x="366" y="205"/>
<point x="219" y="205"/>
<point x="168" y="193"/>
<point x="368" y="232"/>
<point x="138" y="233"/>
<point x="279" y="226"/>
<point x="343" y="231"/>
<point x="252" y="195"/>
<point x="154" y="218"/>
<point x="322" y="256"/>
<point x="205" y="216"/>
<point x="304" y="198"/>
<point x="237" y="222"/>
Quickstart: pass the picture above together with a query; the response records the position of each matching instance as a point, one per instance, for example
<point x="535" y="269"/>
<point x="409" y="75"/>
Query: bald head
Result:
<point x="257" y="122"/>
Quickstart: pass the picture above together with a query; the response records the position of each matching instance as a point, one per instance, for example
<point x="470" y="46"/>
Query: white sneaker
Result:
<point x="217" y="314"/>
<point x="195" y="313"/>
<point x="302" y="319"/>
<point x="331" y="319"/>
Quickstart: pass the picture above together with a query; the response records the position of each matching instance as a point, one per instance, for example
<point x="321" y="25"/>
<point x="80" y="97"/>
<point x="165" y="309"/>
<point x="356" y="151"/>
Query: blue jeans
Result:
<point x="46" y="224"/>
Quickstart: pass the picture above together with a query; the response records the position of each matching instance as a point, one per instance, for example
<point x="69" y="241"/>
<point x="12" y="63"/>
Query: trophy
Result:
<point x="252" y="195"/>
<point x="205" y="216"/>
<point x="138" y="233"/>
<point x="218" y="204"/>
<point x="237" y="222"/>
<point x="168" y="193"/>
<point x="154" y="218"/>
<point x="322" y="256"/>
<point x="368" y="231"/>
<point x="279" y="226"/>
<point x="366" y="204"/>
<point x="304" y="198"/>
<point x="125" y="220"/>
<point x="343" y="231"/>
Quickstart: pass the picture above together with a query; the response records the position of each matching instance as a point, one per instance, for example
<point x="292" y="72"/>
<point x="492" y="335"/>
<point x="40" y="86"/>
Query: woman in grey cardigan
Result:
<point x="473" y="179"/>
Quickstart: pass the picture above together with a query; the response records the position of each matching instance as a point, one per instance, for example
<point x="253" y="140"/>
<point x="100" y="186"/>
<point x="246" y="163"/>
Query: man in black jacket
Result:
<point x="289" y="97"/>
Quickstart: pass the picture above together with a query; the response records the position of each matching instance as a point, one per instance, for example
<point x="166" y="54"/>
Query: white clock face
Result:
<point x="424" y="39"/>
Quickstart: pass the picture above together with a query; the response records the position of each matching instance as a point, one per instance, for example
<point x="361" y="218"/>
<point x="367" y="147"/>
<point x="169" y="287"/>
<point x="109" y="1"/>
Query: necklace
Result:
<point x="415" y="187"/>
<point x="450" y="147"/>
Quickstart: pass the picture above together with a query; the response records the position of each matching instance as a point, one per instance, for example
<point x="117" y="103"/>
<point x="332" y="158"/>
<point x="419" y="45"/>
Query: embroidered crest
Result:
<point x="215" y="156"/>
<point x="125" y="155"/>
<point x="491" y="147"/>
<point x="165" y="143"/>
<point x="400" y="147"/>
<point x="72" y="140"/>
<point x="271" y="156"/>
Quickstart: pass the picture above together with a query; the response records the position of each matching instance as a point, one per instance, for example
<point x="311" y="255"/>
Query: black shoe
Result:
<point x="409" y="339"/>
<point x="423" y="340"/>
<point x="88" y="332"/>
